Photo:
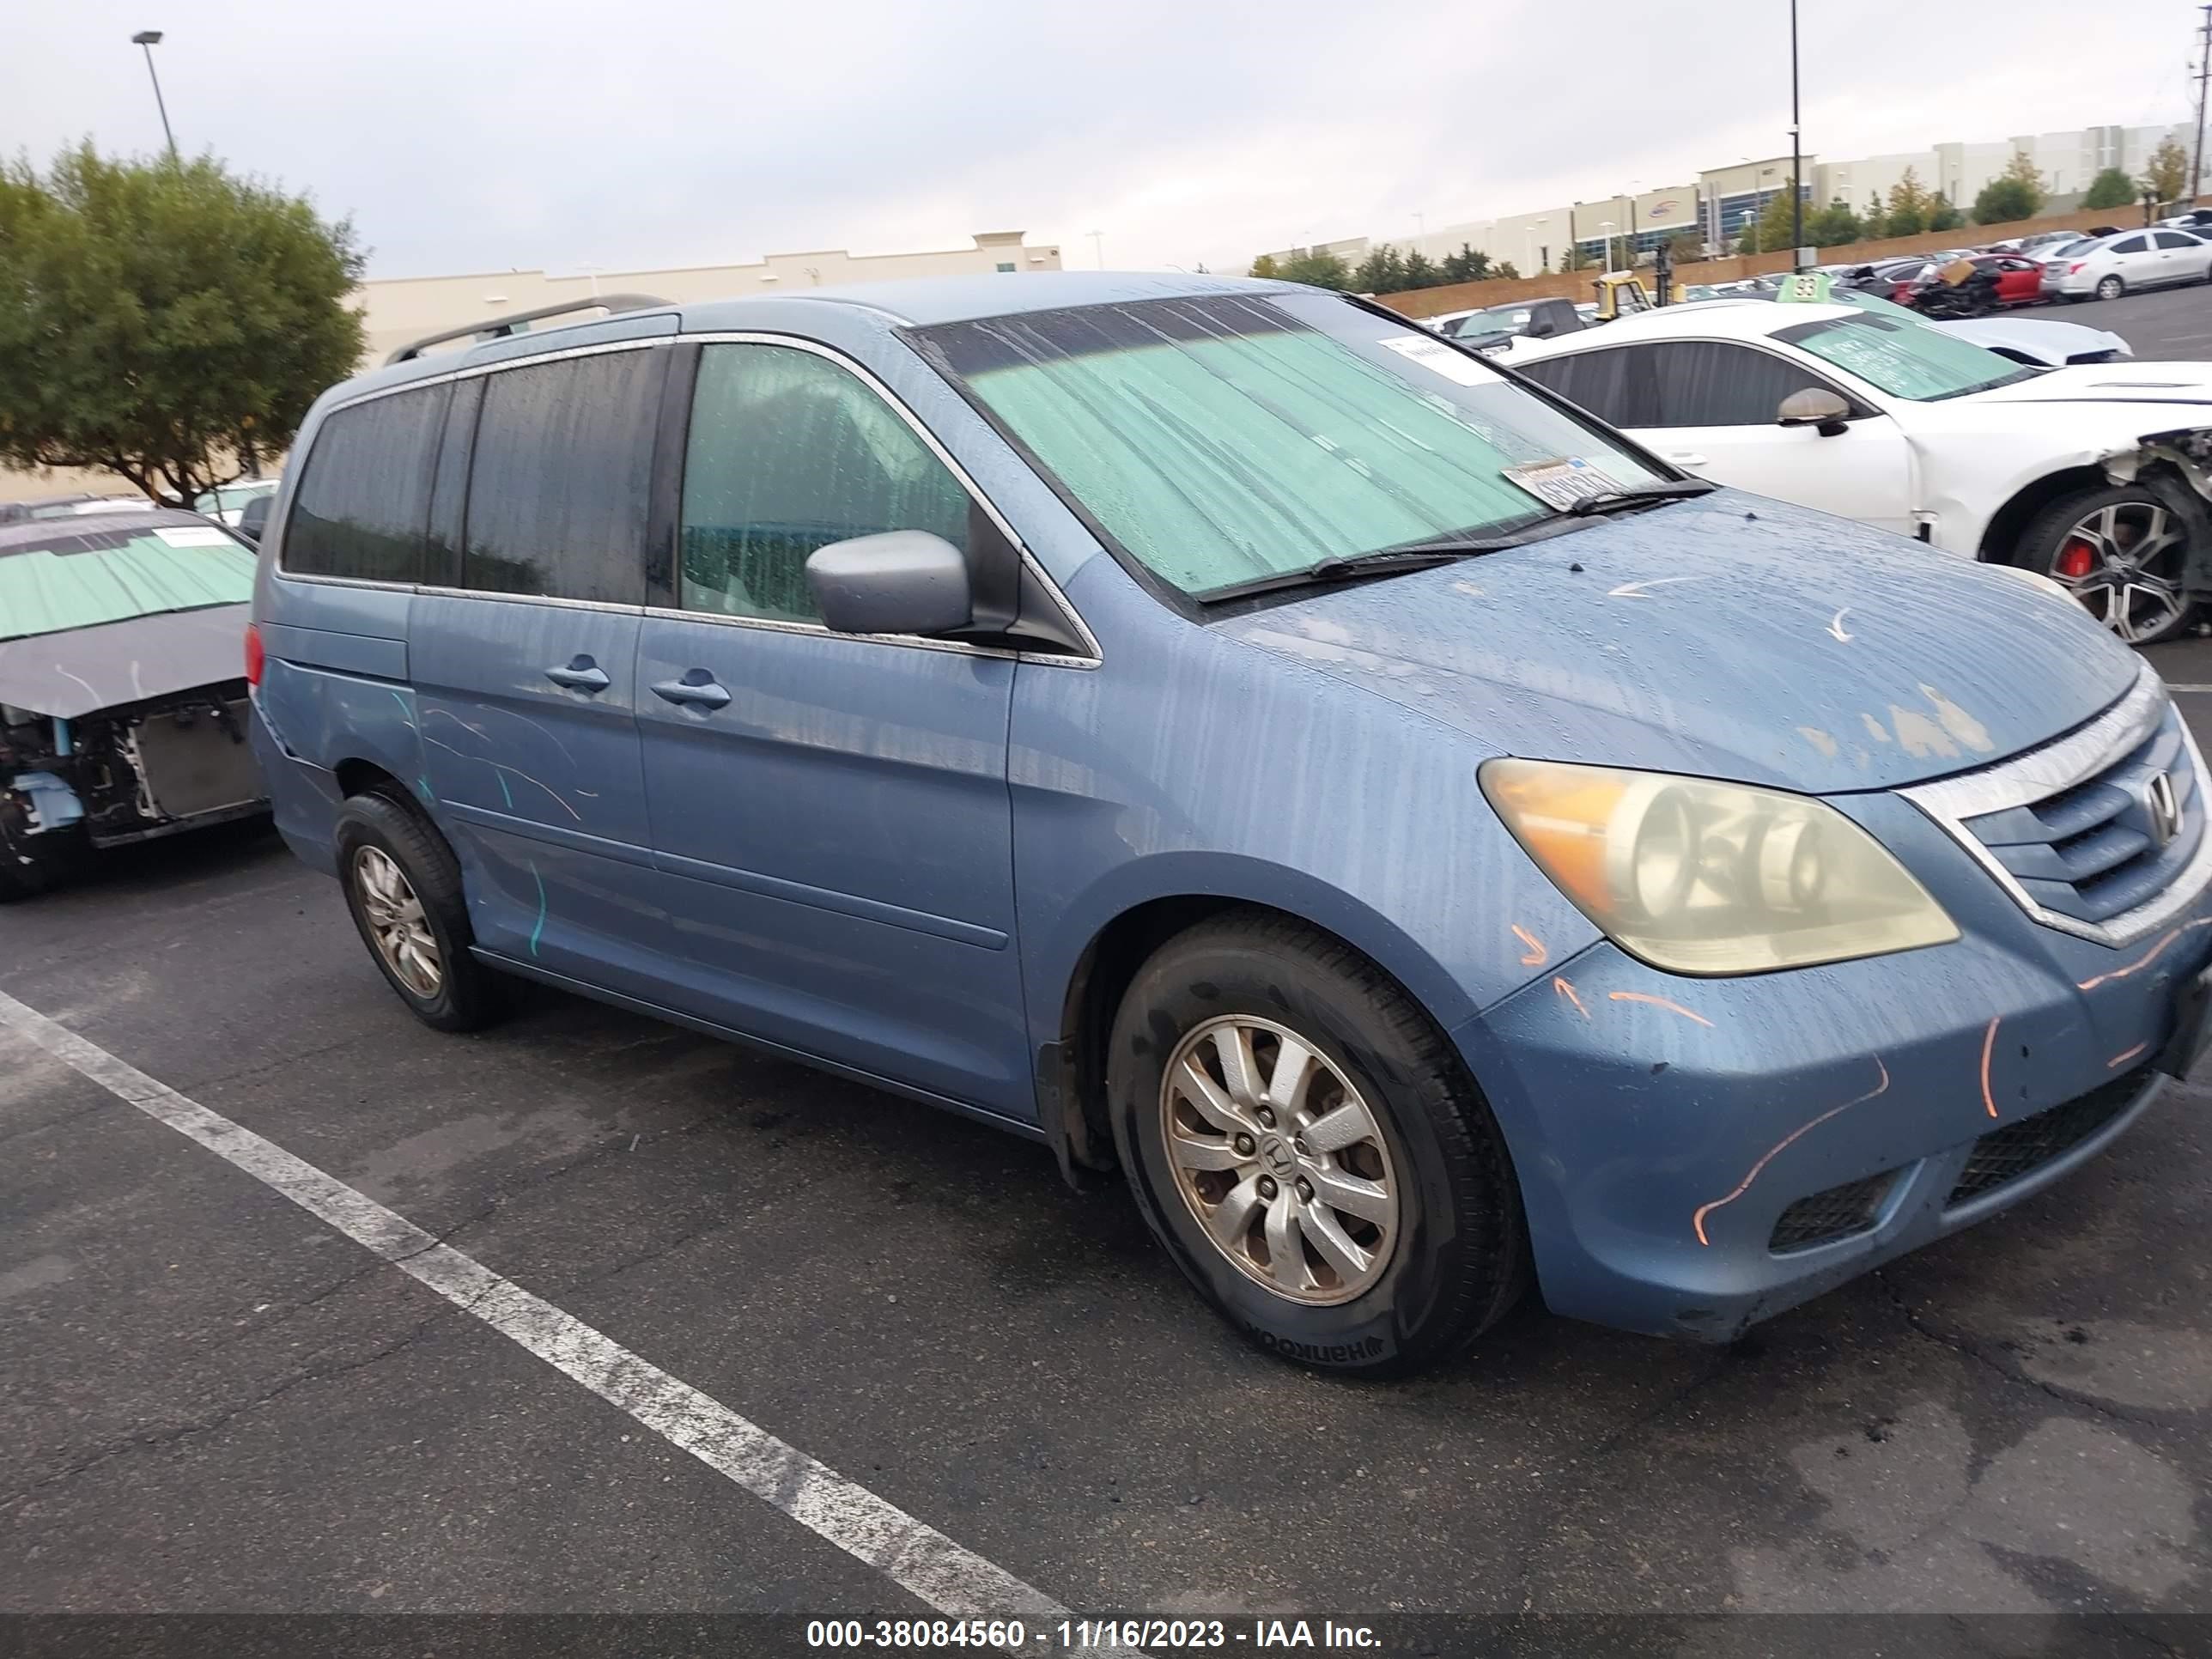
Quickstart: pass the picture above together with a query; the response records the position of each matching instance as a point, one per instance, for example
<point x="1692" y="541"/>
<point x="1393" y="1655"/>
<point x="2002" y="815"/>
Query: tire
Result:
<point x="2110" y="288"/>
<point x="37" y="866"/>
<point x="1452" y="1254"/>
<point x="379" y="837"/>
<point x="2049" y="546"/>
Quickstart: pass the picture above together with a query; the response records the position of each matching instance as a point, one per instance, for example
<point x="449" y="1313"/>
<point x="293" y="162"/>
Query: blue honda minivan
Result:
<point x="1224" y="733"/>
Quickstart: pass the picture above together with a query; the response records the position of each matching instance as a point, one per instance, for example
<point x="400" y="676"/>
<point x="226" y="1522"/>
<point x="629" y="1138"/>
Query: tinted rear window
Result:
<point x="365" y="494"/>
<point x="562" y="475"/>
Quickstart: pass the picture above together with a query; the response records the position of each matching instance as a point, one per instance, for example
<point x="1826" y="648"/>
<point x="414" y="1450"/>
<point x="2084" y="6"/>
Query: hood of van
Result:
<point x="1730" y="636"/>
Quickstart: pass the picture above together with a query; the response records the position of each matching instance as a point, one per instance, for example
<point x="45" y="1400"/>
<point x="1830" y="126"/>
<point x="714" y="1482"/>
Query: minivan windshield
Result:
<point x="1906" y="359"/>
<point x="1223" y="439"/>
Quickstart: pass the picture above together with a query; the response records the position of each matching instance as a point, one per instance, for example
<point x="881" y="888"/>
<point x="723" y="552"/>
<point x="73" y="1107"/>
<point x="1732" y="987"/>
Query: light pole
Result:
<point x="150" y="39"/>
<point x="1796" y="163"/>
<point x="1098" y="247"/>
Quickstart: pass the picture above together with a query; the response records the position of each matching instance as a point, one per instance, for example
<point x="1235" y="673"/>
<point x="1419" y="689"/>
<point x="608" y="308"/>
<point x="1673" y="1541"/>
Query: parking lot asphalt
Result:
<point x="2169" y="324"/>
<point x="212" y="1401"/>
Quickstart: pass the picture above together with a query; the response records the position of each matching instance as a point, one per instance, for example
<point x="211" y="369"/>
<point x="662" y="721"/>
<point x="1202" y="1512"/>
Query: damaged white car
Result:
<point x="123" y="711"/>
<point x="2095" y="476"/>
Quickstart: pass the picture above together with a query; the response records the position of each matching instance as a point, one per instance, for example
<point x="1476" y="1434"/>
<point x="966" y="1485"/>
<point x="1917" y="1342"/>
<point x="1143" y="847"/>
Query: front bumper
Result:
<point x="1699" y="1155"/>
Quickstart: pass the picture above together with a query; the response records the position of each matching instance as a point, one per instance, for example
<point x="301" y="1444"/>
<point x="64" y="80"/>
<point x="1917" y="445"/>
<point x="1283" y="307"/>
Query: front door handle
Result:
<point x="581" y="674"/>
<point x="697" y="686"/>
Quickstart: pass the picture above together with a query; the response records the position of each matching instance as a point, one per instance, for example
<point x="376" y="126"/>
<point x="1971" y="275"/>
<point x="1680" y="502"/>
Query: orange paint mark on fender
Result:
<point x="2125" y="1055"/>
<point x="1568" y="991"/>
<point x="1989" y="1046"/>
<point x="1538" y="956"/>
<point x="1656" y="1002"/>
<point x="2147" y="958"/>
<point x="1698" y="1220"/>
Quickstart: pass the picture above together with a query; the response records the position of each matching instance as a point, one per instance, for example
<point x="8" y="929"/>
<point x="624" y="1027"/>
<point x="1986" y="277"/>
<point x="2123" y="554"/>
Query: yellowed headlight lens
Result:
<point x="1702" y="878"/>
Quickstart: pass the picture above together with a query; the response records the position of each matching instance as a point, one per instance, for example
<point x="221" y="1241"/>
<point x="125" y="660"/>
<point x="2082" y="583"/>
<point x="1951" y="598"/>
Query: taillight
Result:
<point x="253" y="654"/>
<point x="2076" y="266"/>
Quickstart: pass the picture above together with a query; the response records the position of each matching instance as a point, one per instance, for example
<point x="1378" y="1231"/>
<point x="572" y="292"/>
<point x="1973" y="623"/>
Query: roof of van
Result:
<point x="916" y="301"/>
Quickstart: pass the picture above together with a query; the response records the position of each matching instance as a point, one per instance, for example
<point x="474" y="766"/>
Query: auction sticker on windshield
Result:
<point x="1561" y="482"/>
<point x="1448" y="361"/>
<point x="193" y="535"/>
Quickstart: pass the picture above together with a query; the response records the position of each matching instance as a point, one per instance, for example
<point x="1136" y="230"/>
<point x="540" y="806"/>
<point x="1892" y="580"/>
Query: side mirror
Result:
<point x="1822" y="410"/>
<point x="253" y="520"/>
<point x="903" y="582"/>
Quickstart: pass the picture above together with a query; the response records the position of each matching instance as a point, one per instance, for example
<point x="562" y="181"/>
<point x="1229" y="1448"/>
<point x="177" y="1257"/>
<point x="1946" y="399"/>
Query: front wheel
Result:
<point x="2121" y="553"/>
<point x="2111" y="288"/>
<point x="1305" y="1144"/>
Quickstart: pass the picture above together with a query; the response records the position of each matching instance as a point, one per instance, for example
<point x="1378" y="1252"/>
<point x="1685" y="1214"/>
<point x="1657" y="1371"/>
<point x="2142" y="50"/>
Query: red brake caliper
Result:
<point x="2075" y="559"/>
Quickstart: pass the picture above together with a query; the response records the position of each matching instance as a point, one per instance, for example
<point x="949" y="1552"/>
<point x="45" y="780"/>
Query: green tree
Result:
<point x="1419" y="271"/>
<point x="1265" y="267"/>
<point x="2110" y="189"/>
<point x="1571" y="257"/>
<point x="2166" y="175"/>
<point x="1382" y="272"/>
<point x="1909" y="205"/>
<point x="1833" y="226"/>
<point x="1944" y="217"/>
<point x="1686" y="247"/>
<point x="1465" y="265"/>
<point x="1775" y="226"/>
<point x="165" y="321"/>
<point x="2013" y="195"/>
<point x="1318" y="271"/>
<point x="1873" y="223"/>
<point x="1508" y="272"/>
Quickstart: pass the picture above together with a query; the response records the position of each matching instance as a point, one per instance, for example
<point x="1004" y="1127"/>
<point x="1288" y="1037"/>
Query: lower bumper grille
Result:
<point x="1824" y="1217"/>
<point x="2006" y="1154"/>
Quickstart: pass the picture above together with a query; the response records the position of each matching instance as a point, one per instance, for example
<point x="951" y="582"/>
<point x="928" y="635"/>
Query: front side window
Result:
<point x="1225" y="440"/>
<point x="1711" y="383"/>
<point x="560" y="476"/>
<point x="1904" y="358"/>
<point x="788" y="453"/>
<point x="363" y="500"/>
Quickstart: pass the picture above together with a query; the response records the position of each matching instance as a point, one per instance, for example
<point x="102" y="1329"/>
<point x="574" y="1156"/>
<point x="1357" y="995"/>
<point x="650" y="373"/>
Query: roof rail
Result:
<point x="507" y="326"/>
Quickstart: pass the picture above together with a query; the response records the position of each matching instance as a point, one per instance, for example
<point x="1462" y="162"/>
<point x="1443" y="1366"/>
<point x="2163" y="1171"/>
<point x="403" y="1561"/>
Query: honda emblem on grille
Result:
<point x="2164" y="809"/>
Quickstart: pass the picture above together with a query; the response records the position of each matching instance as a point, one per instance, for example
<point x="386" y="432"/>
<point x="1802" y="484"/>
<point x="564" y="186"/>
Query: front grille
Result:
<point x="2008" y="1153"/>
<point x="2091" y="852"/>
<point x="1853" y="1207"/>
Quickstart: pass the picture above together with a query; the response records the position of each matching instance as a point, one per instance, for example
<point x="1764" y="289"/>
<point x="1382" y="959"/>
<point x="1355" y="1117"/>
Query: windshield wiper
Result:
<point x="1383" y="562"/>
<point x="1659" y="490"/>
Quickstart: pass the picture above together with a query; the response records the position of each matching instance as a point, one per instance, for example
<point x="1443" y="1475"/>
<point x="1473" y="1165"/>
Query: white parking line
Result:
<point x="2172" y="686"/>
<point x="913" y="1555"/>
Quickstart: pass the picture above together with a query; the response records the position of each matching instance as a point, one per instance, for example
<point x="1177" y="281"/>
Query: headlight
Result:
<point x="1700" y="877"/>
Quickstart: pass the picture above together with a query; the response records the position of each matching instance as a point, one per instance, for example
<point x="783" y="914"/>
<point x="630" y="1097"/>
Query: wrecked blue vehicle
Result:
<point x="123" y="706"/>
<point x="1226" y="734"/>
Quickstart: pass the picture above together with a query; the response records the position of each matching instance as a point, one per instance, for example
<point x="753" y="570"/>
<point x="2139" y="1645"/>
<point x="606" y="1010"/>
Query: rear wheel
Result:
<point x="1305" y="1144"/>
<point x="2121" y="553"/>
<point x="2111" y="288"/>
<point x="403" y="885"/>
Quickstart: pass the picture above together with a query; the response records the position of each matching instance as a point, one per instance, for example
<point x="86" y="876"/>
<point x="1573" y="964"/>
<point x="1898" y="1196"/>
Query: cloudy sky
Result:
<point x="480" y="135"/>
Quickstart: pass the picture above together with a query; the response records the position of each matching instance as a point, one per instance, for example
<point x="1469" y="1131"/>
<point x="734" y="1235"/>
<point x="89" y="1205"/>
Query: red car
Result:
<point x="2020" y="279"/>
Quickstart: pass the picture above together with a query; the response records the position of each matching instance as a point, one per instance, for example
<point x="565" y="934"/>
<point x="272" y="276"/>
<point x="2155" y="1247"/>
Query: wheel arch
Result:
<point x="1070" y="1062"/>
<point x="2001" y="536"/>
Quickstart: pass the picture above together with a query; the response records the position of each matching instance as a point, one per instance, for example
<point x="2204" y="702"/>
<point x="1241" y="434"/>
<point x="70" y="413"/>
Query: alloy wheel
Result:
<point x="395" y="922"/>
<point x="1279" y="1159"/>
<point x="2123" y="563"/>
<point x="2111" y="288"/>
